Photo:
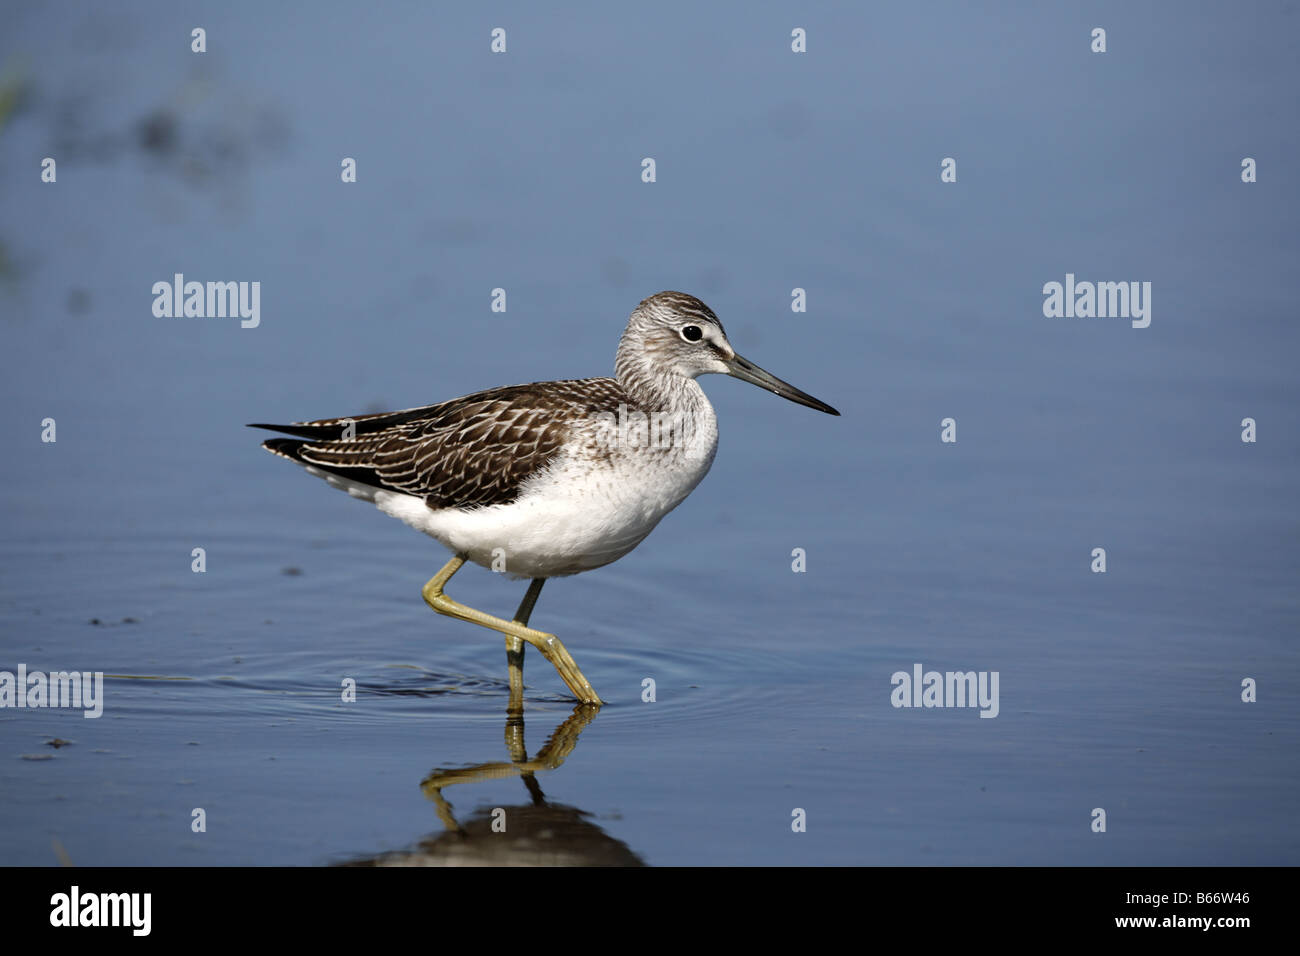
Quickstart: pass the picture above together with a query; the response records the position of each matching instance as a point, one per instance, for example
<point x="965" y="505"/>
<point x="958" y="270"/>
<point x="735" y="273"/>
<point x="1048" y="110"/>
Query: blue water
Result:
<point x="1119" y="691"/>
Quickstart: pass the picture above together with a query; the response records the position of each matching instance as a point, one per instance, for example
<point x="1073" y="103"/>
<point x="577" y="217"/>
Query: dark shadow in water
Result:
<point x="536" y="833"/>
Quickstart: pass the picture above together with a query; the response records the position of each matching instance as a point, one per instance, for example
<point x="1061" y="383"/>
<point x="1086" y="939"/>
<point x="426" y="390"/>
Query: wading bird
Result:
<point x="549" y="479"/>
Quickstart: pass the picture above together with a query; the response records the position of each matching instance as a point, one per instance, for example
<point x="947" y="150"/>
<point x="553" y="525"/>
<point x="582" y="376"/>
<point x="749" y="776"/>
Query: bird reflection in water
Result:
<point x="536" y="833"/>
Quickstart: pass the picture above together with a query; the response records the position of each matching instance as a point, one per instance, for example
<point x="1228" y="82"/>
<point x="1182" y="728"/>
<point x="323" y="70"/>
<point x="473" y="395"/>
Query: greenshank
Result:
<point x="549" y="479"/>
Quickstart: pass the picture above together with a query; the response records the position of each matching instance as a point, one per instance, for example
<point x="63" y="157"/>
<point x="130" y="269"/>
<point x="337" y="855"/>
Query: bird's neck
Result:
<point x="677" y="412"/>
<point x="655" y="390"/>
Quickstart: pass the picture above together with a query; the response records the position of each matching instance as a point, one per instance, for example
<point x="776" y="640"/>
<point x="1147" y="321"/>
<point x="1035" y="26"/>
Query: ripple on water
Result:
<point x="690" y="683"/>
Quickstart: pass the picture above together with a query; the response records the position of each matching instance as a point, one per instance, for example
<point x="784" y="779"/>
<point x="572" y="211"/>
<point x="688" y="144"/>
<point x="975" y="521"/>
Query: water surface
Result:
<point x="1118" y="690"/>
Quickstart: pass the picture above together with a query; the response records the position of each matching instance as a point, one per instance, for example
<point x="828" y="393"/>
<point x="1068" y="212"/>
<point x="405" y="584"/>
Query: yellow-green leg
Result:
<point x="515" y="648"/>
<point x="515" y="631"/>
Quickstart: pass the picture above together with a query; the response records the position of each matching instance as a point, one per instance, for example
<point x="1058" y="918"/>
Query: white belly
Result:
<point x="589" y="507"/>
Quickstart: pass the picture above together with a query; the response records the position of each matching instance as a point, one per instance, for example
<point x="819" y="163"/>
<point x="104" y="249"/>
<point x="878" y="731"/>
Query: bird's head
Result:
<point x="675" y="334"/>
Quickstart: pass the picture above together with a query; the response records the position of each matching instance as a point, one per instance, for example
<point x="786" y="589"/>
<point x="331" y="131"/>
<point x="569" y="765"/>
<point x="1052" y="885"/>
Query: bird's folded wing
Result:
<point x="471" y="451"/>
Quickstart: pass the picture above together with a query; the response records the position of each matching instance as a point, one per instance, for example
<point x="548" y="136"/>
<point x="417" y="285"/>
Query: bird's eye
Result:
<point x="692" y="333"/>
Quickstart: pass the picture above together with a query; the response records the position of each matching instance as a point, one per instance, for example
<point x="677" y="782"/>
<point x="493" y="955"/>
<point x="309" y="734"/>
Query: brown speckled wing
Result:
<point x="471" y="451"/>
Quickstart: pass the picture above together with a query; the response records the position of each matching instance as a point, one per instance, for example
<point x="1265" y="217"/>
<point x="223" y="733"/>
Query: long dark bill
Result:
<point x="747" y="371"/>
